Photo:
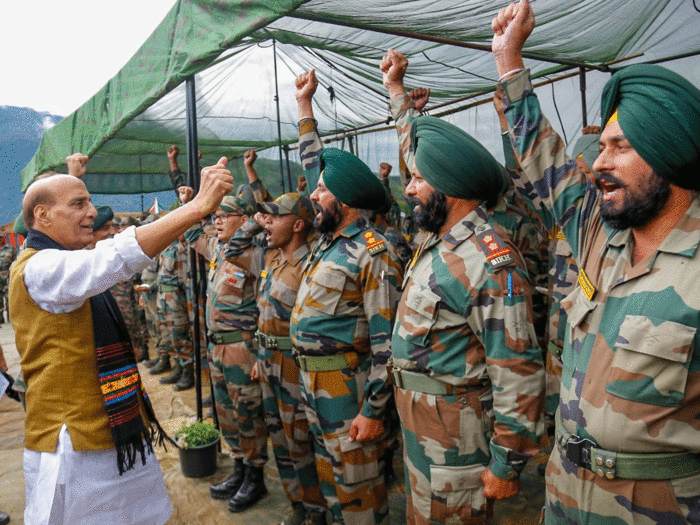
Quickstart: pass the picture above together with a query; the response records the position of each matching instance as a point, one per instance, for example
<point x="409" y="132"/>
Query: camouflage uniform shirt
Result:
<point x="465" y="318"/>
<point x="631" y="377"/>
<point x="231" y="289"/>
<point x="346" y="302"/>
<point x="278" y="282"/>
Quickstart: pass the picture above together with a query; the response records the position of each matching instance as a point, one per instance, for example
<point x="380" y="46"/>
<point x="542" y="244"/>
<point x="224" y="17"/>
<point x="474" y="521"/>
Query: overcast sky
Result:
<point x="56" y="54"/>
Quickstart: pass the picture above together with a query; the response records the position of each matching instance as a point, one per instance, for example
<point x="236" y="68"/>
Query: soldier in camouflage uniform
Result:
<point x="287" y="222"/>
<point x="125" y="294"/>
<point x="174" y="323"/>
<point x="469" y="375"/>
<point x="7" y="255"/>
<point x="341" y="328"/>
<point x="628" y="440"/>
<point x="231" y="316"/>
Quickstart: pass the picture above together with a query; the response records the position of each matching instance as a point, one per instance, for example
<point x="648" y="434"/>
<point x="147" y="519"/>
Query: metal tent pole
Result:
<point x="279" y="125"/>
<point x="289" y="168"/>
<point x="582" y="85"/>
<point x="193" y="181"/>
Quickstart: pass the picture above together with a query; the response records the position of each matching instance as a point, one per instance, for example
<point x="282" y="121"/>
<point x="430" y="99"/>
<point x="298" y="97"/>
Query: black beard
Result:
<point x="432" y="215"/>
<point x="636" y="210"/>
<point x="329" y="220"/>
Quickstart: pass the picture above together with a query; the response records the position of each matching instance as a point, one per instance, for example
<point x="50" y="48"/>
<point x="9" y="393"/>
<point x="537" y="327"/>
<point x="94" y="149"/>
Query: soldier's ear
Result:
<point x="298" y="226"/>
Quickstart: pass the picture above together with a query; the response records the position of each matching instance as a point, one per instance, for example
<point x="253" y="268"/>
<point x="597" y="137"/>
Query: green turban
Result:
<point x="455" y="163"/>
<point x="104" y="215"/>
<point x="350" y="180"/>
<point x="587" y="148"/>
<point x="659" y="113"/>
<point x="19" y="226"/>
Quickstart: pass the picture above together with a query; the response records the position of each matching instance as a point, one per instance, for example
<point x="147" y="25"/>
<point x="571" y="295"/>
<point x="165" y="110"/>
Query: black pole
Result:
<point x="582" y="84"/>
<point x="351" y="144"/>
<point x="193" y="181"/>
<point x="289" y="168"/>
<point x="279" y="125"/>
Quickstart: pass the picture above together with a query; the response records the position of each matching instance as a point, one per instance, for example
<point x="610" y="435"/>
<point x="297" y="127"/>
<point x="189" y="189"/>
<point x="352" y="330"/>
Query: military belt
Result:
<point x="420" y="382"/>
<point x="226" y="338"/>
<point x="555" y="349"/>
<point x="168" y="288"/>
<point x="322" y="363"/>
<point x="585" y="453"/>
<point x="274" y="342"/>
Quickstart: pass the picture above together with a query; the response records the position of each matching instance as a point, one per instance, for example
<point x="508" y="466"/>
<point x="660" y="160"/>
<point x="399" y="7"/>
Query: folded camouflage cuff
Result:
<point x="350" y="180"/>
<point x="659" y="113"/>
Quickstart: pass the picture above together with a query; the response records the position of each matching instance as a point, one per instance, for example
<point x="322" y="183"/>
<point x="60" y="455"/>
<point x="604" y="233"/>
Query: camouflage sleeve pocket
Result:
<point x="651" y="361"/>
<point x="326" y="291"/>
<point x="457" y="494"/>
<point x="360" y="461"/>
<point x="419" y="312"/>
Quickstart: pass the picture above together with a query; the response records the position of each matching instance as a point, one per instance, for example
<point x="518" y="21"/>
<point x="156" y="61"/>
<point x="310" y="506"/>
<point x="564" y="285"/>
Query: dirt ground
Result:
<point x="190" y="497"/>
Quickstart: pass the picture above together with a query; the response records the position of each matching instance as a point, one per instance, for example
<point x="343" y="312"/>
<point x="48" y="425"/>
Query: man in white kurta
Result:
<point x="82" y="484"/>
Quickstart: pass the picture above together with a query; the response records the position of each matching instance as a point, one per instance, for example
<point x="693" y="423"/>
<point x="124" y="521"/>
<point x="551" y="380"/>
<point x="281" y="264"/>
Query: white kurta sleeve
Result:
<point x="60" y="281"/>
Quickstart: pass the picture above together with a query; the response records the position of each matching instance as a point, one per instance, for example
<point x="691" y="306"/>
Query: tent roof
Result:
<point x="126" y="127"/>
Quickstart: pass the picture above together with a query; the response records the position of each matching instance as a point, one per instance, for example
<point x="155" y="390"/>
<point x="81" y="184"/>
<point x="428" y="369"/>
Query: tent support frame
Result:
<point x="438" y="40"/>
<point x="195" y="259"/>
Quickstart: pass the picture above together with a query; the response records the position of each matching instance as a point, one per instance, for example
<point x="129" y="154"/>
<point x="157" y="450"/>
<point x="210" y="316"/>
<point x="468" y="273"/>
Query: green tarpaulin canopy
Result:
<point x="128" y="125"/>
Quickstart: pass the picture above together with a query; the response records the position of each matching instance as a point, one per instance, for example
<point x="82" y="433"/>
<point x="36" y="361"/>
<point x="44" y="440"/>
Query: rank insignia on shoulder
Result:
<point x="212" y="264"/>
<point x="496" y="250"/>
<point x="586" y="285"/>
<point x="374" y="245"/>
<point x="263" y="274"/>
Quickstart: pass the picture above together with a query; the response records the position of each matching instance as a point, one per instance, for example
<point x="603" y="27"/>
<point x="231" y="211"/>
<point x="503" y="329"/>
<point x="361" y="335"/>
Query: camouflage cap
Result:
<point x="290" y="203"/>
<point x="237" y="205"/>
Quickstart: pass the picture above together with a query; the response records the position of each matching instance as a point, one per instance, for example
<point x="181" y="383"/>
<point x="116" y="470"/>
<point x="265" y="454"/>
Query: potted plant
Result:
<point x="197" y="443"/>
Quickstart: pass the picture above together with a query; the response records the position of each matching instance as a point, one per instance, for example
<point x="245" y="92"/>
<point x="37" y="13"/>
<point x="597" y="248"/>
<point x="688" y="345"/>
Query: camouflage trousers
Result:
<point x="150" y="310"/>
<point x="552" y="385"/>
<point x="132" y="313"/>
<point x="175" y="329"/>
<point x="351" y="474"/>
<point x="292" y="441"/>
<point x="202" y="323"/>
<point x="238" y="400"/>
<point x="446" y="449"/>
<point x="577" y="496"/>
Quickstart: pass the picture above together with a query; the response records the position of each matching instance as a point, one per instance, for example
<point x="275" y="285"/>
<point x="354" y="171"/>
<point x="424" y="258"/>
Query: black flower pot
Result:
<point x="199" y="462"/>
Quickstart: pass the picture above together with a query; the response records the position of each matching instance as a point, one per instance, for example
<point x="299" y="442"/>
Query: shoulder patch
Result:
<point x="374" y="245"/>
<point x="497" y="252"/>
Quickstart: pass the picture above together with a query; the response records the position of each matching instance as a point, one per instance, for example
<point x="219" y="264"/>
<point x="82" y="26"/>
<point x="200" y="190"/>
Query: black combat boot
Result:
<point x="163" y="365"/>
<point x="186" y="379"/>
<point x="174" y="376"/>
<point x="251" y="491"/>
<point x="228" y="487"/>
<point x="143" y="356"/>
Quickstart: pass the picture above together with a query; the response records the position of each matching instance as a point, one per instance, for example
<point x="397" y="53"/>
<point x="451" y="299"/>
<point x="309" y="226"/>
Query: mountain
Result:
<point x="20" y="134"/>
